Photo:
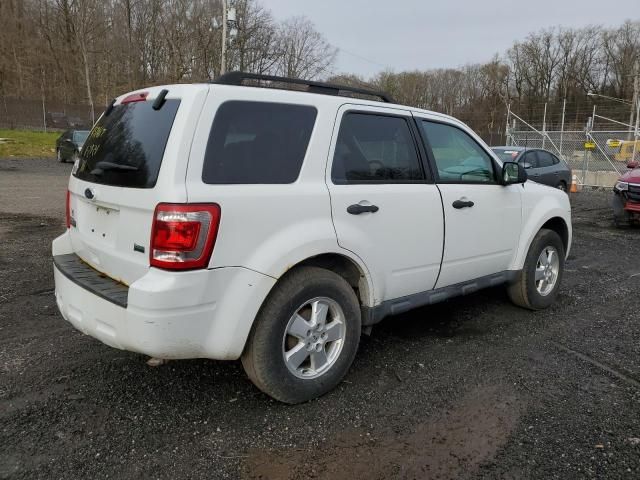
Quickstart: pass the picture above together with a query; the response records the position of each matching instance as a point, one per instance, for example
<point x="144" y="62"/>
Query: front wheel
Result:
<point x="538" y="282"/>
<point x="562" y="186"/>
<point x="59" y="156"/>
<point x="305" y="336"/>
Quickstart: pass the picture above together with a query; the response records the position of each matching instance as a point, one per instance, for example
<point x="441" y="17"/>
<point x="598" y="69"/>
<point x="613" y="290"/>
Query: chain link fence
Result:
<point x="42" y="115"/>
<point x="596" y="157"/>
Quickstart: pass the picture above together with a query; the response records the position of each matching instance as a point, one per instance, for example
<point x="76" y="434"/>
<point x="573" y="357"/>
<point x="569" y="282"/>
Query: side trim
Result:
<point x="373" y="315"/>
<point x="72" y="267"/>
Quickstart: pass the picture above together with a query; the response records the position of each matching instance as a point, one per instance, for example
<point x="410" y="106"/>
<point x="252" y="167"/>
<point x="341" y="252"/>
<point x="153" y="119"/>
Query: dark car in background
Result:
<point x="69" y="144"/>
<point x="542" y="166"/>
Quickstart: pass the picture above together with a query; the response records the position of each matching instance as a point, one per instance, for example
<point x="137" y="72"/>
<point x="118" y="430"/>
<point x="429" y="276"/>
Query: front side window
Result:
<point x="458" y="157"/>
<point x="529" y="160"/>
<point x="257" y="143"/>
<point x="375" y="149"/>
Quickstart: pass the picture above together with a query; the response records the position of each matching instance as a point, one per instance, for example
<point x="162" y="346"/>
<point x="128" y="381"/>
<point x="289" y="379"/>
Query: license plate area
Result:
<point x="98" y="224"/>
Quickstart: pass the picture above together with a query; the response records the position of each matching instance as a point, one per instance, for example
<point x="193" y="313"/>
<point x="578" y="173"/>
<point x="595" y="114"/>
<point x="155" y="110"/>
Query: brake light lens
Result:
<point x="135" y="97"/>
<point x="183" y="235"/>
<point x="68" y="209"/>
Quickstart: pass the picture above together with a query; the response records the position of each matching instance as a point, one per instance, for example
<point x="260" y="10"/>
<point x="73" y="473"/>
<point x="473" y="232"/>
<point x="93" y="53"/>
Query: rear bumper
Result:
<point x="175" y="315"/>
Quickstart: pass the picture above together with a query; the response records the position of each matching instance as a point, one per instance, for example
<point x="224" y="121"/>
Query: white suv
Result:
<point x="274" y="225"/>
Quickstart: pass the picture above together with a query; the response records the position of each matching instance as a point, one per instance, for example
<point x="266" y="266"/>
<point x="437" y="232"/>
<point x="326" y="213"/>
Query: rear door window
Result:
<point x="544" y="159"/>
<point x="125" y="148"/>
<point x="257" y="143"/>
<point x="375" y="149"/>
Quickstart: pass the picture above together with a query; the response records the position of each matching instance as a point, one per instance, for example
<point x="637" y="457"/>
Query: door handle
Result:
<point x="462" y="204"/>
<point x="357" y="209"/>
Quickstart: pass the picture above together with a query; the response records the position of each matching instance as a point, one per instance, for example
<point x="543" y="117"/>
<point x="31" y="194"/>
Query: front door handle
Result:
<point x="357" y="209"/>
<point x="462" y="204"/>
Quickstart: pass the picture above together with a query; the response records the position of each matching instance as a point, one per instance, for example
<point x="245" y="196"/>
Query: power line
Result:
<point x="363" y="58"/>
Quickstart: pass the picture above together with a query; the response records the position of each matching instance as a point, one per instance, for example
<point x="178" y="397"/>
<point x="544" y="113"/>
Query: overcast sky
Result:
<point x="421" y="34"/>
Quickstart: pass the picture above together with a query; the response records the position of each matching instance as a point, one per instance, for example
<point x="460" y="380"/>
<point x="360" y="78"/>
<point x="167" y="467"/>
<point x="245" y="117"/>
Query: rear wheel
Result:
<point x="305" y="336"/>
<point x="562" y="186"/>
<point x="59" y="156"/>
<point x="538" y="282"/>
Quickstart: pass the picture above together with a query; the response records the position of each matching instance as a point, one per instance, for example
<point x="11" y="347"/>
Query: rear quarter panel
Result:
<point x="270" y="228"/>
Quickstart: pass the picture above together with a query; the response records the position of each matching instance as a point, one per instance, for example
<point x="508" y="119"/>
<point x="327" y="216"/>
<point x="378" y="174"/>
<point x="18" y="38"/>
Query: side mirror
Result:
<point x="526" y="165"/>
<point x="633" y="164"/>
<point x="513" y="173"/>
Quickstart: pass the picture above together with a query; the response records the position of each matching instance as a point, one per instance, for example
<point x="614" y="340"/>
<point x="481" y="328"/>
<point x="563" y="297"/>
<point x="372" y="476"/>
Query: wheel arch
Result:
<point x="348" y="268"/>
<point x="556" y="220"/>
<point x="558" y="225"/>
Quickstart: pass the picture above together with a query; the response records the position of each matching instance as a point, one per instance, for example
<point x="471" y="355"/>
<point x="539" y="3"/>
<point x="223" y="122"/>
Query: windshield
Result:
<point x="506" y="155"/>
<point x="125" y="147"/>
<point x="80" y="136"/>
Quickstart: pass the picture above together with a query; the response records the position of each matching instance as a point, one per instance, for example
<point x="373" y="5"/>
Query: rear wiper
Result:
<point x="100" y="167"/>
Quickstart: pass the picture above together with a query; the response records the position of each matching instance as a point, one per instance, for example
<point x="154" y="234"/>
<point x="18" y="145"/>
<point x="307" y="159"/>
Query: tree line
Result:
<point x="87" y="51"/>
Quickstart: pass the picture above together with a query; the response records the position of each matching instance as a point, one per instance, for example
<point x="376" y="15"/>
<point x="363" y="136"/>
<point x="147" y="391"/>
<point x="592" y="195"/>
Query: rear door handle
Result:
<point x="357" y="209"/>
<point x="463" y="204"/>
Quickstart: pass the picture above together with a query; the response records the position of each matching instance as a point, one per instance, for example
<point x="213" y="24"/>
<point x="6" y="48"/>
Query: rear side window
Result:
<point x="125" y="148"/>
<point x="257" y="143"/>
<point x="375" y="149"/>
<point x="544" y="159"/>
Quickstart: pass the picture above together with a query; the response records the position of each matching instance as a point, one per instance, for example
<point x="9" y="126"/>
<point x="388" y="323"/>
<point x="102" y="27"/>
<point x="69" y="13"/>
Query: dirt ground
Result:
<point x="473" y="388"/>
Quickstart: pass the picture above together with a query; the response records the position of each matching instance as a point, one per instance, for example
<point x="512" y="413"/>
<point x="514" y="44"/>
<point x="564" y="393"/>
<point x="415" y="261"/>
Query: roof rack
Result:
<point x="237" y="78"/>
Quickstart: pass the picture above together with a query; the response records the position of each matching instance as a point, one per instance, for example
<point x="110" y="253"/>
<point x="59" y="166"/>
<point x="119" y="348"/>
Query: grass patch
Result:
<point x="27" y="143"/>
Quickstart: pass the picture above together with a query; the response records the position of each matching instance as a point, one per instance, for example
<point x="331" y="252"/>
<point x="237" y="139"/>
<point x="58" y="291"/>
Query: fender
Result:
<point x="539" y="205"/>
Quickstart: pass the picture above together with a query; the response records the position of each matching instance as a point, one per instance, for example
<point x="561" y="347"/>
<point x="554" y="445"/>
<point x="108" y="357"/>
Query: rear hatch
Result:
<point x="134" y="158"/>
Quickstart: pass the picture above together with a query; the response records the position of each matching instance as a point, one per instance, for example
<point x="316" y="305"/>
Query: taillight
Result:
<point x="68" y="209"/>
<point x="183" y="235"/>
<point x="135" y="97"/>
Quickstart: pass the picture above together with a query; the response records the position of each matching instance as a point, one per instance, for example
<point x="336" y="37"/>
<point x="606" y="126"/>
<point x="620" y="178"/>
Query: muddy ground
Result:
<point x="473" y="388"/>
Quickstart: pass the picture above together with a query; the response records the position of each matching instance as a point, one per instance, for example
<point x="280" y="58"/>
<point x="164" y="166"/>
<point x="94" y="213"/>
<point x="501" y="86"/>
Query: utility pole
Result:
<point x="223" y="55"/>
<point x="564" y="108"/>
<point x="636" y="88"/>
<point x="544" y="124"/>
<point x="229" y="31"/>
<point x="636" y="105"/>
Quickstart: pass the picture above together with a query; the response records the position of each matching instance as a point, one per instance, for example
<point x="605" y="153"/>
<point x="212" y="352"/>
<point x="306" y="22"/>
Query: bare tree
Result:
<point x="303" y="51"/>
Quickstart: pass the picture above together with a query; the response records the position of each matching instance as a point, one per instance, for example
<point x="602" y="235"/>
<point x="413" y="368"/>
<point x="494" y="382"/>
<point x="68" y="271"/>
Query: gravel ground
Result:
<point x="473" y="388"/>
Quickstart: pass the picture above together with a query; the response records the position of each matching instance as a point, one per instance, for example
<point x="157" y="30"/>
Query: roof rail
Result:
<point x="237" y="78"/>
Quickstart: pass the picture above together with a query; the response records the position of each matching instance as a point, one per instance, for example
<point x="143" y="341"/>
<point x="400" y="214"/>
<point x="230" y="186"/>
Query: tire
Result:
<point x="264" y="356"/>
<point x="526" y="292"/>
<point x="59" y="156"/>
<point x="75" y="157"/>
<point x="621" y="218"/>
<point x="562" y="186"/>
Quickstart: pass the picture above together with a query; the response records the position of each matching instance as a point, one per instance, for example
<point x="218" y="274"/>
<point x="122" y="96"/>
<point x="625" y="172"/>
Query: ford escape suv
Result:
<point x="229" y="220"/>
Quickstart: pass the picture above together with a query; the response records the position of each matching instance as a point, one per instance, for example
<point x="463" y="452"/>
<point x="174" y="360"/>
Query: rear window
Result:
<point x="257" y="143"/>
<point x="506" y="155"/>
<point x="125" y="148"/>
